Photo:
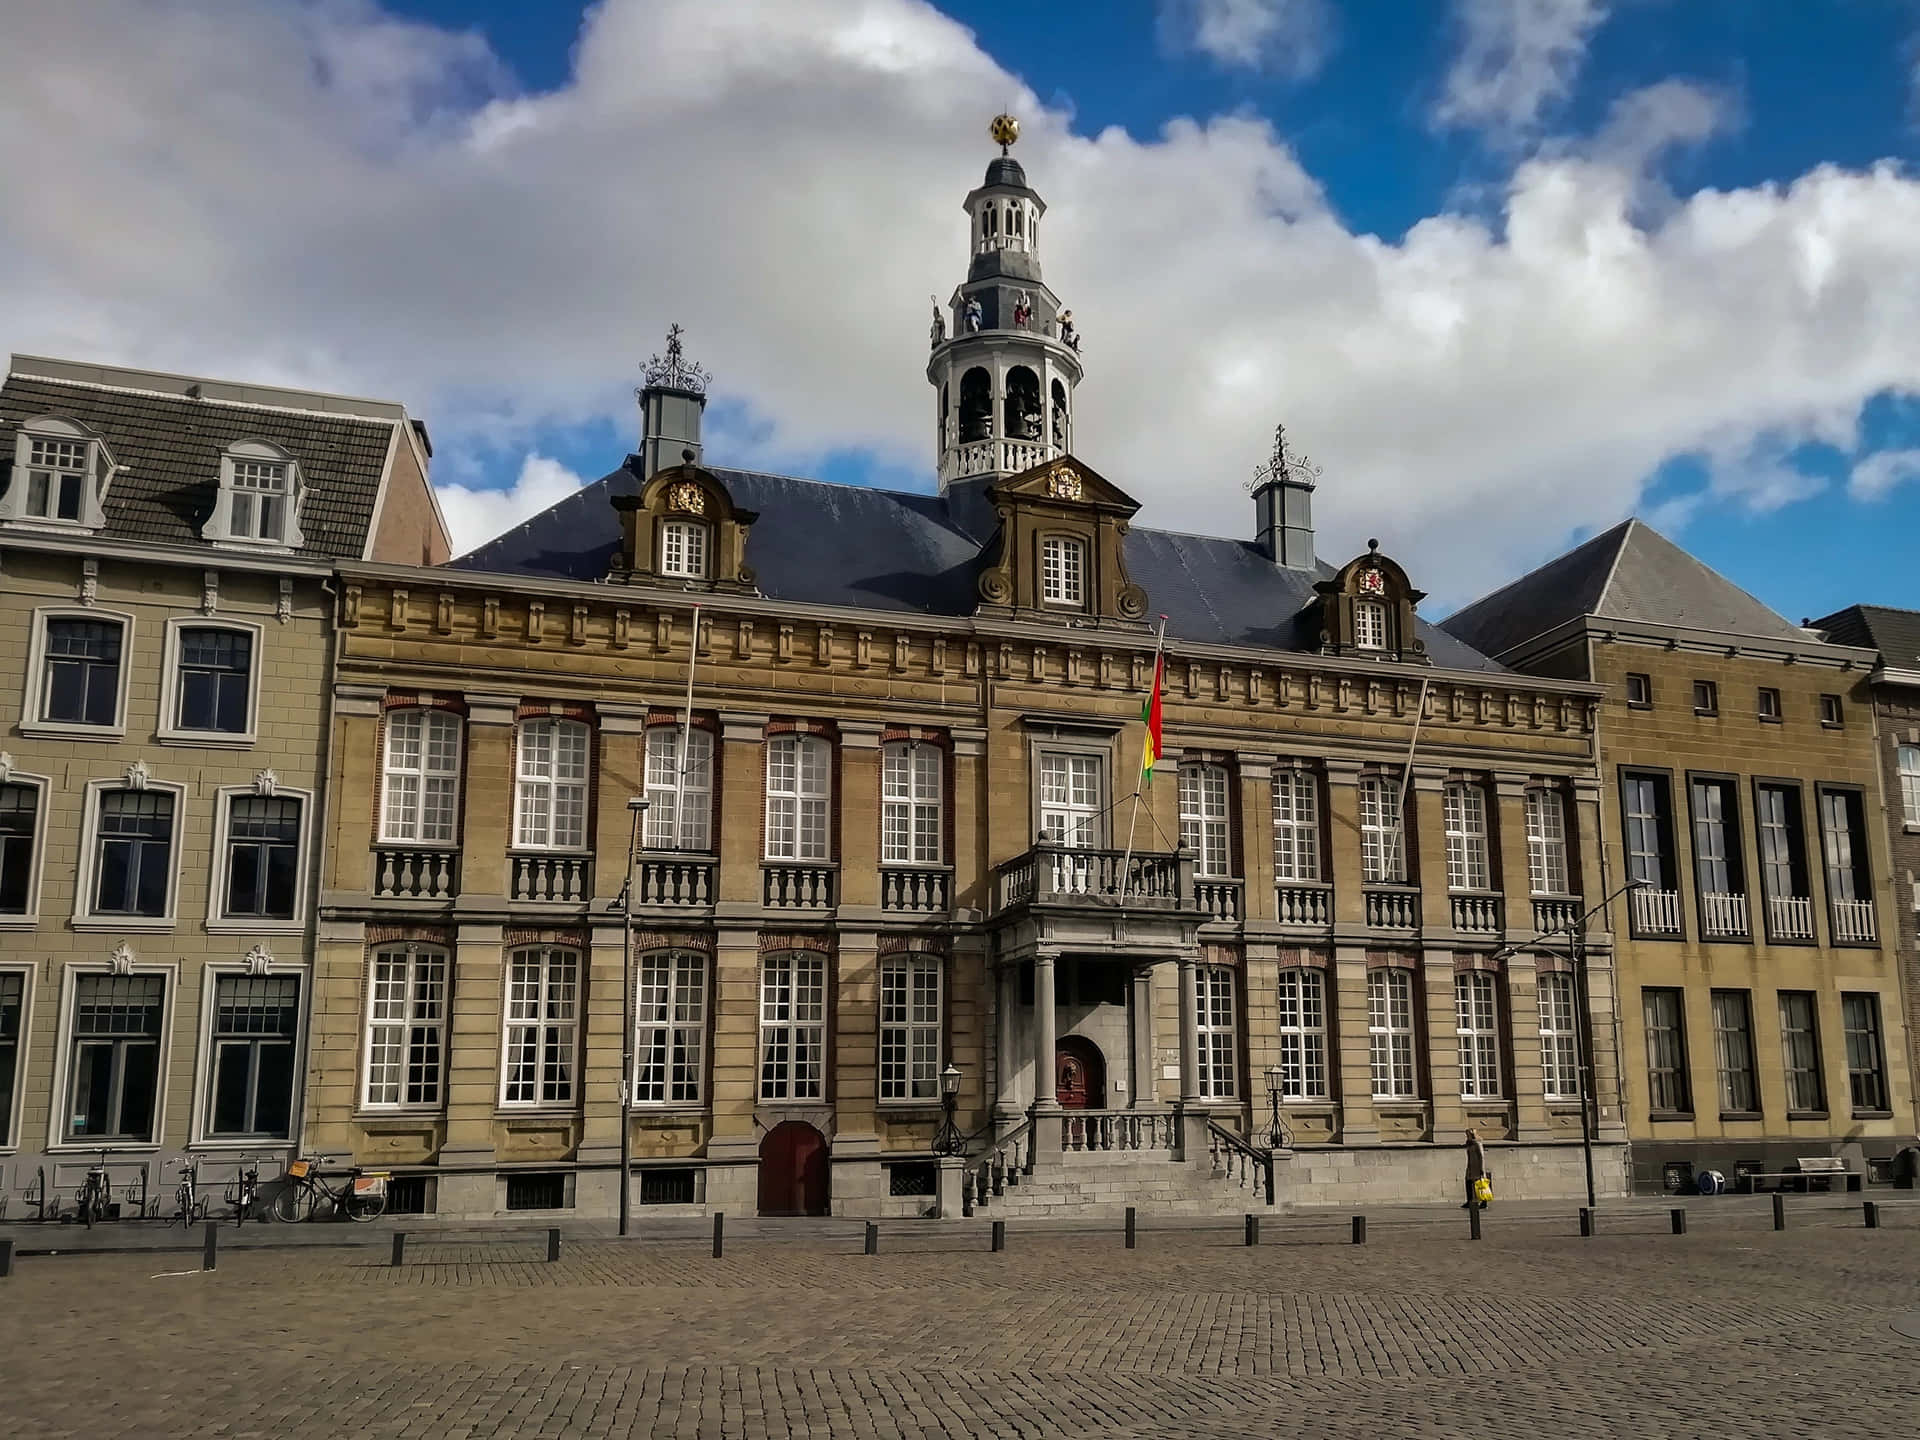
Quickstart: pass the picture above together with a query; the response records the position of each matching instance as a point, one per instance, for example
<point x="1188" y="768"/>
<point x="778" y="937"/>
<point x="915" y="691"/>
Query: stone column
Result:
<point x="1343" y="850"/>
<point x="858" y="847"/>
<point x="1189" y="1032"/>
<point x="473" y="1070"/>
<point x="1140" y="1039"/>
<point x="1256" y="837"/>
<point x="487" y="832"/>
<point x="1046" y="1106"/>
<point x="1006" y="994"/>
<point x="353" y="783"/>
<point x="1443" y="1048"/>
<point x="742" y="800"/>
<point x="1352" y="1060"/>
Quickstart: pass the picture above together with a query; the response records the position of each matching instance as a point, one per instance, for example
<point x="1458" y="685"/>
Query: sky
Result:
<point x="1508" y="270"/>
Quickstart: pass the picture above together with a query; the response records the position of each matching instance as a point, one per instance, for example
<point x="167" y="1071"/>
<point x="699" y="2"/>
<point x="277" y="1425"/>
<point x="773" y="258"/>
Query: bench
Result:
<point x="1808" y="1171"/>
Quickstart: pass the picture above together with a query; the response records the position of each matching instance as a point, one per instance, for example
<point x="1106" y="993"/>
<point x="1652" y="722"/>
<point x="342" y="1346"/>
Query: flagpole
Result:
<point x="1406" y="775"/>
<point x="686" y="738"/>
<point x="1126" y="862"/>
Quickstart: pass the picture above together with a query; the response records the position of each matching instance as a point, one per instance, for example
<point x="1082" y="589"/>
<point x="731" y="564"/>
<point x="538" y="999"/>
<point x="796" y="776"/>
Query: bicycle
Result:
<point x="244" y="1191"/>
<point x="362" y="1196"/>
<point x="189" y="1206"/>
<point x="95" y="1198"/>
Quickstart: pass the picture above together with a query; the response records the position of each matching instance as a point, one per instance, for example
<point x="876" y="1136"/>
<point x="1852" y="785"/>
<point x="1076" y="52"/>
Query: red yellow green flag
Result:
<point x="1150" y="712"/>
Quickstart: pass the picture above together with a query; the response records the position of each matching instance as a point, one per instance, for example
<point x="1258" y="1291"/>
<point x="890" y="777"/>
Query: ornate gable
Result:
<point x="683" y="530"/>
<point x="1367" y="610"/>
<point x="1059" y="550"/>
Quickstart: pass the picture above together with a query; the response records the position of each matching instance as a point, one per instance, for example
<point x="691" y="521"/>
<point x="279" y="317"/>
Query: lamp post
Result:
<point x="1576" y="933"/>
<point x="948" y="1140"/>
<point x="637" y="807"/>
<point x="1276" y="1132"/>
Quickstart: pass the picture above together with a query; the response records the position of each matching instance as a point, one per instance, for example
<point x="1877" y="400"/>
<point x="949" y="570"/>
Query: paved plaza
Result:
<point x="1731" y="1328"/>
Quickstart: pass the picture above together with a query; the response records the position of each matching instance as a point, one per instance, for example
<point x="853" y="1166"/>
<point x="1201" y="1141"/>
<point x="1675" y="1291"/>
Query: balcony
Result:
<point x="1790" y="917"/>
<point x="544" y="879"/>
<point x="1853" y="922"/>
<point x="414" y="874"/>
<point x="798" y="887"/>
<point x="915" y="889"/>
<point x="1392" y="907"/>
<point x="1303" y="905"/>
<point x="1221" y="899"/>
<point x="988" y="457"/>
<point x="1655" y="912"/>
<point x="1724" y="916"/>
<point x="1108" y="879"/>
<point x="1477" y="913"/>
<point x="671" y="881"/>
<point x="1556" y="912"/>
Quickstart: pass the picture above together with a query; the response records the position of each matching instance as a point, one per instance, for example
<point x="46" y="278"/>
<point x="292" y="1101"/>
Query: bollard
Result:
<point x="999" y="1236"/>
<point x="1779" y="1211"/>
<point x="209" y="1253"/>
<point x="719" y="1227"/>
<point x="1679" y="1217"/>
<point x="1870" y="1209"/>
<point x="399" y="1248"/>
<point x="553" y="1244"/>
<point x="1130" y="1221"/>
<point x="1586" y="1221"/>
<point x="873" y="1238"/>
<point x="6" y="1258"/>
<point x="1253" y="1229"/>
<point x="1359" y="1229"/>
<point x="1473" y="1222"/>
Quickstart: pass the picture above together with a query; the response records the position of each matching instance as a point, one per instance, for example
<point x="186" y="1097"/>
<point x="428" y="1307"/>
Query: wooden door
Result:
<point x="1079" y="1075"/>
<point x="793" y="1170"/>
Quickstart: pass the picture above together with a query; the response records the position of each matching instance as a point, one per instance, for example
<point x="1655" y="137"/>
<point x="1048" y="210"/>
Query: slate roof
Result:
<point x="1894" y="633"/>
<point x="1631" y="573"/>
<point x="169" y="448"/>
<point x="891" y="550"/>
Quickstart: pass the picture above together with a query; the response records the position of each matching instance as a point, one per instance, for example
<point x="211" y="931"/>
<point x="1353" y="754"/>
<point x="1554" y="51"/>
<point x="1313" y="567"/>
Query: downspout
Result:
<point x="322" y="850"/>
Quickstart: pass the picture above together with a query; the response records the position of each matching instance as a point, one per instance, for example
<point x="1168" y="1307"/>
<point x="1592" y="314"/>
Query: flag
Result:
<point x="1150" y="712"/>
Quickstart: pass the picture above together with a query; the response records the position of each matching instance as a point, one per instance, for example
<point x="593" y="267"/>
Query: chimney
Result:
<point x="1283" y="506"/>
<point x="671" y="403"/>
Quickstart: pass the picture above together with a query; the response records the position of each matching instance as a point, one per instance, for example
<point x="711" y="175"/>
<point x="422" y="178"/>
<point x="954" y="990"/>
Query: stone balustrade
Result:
<point x="407" y="873"/>
<point x="550" y="879"/>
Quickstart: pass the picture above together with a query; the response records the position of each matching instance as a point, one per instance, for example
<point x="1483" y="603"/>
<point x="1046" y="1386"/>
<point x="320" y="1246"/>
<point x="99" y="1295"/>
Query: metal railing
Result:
<point x="1392" y="907"/>
<point x="1723" y="915"/>
<point x="550" y="879"/>
<point x="916" y="889"/>
<point x="1853" y="922"/>
<point x="787" y="886"/>
<point x="415" y="874"/>
<point x="1238" y="1162"/>
<point x="1790" y="917"/>
<point x="1655" y="912"/>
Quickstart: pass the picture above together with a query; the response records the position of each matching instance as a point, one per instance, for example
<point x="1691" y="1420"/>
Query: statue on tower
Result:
<point x="938" y="334"/>
<point x="975" y="315"/>
<point x="1022" y="309"/>
<point x="1069" y="333"/>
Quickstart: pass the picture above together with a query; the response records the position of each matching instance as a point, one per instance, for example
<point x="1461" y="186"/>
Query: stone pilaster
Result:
<point x="1443" y="1047"/>
<point x="1510" y="838"/>
<point x="858" y="848"/>
<point x="736" y="1036"/>
<point x="604" y="1042"/>
<point x="473" y="1068"/>
<point x="856" y="1038"/>
<point x="1343" y="852"/>
<point x="742" y="801"/>
<point x="1256" y="837"/>
<point x="353" y="786"/>
<point x="622" y="776"/>
<point x="972" y="874"/>
<point x="1523" y="1041"/>
<point x="1352" y="1053"/>
<point x="335" y="1020"/>
<point x="487" y="833"/>
<point x="1424" y="832"/>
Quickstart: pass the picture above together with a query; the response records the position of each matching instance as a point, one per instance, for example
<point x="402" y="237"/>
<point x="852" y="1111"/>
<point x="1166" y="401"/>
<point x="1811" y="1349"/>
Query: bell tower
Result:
<point x="1006" y="356"/>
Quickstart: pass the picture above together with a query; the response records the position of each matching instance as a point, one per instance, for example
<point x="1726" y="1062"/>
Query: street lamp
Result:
<point x="1277" y="1138"/>
<point x="948" y="1140"/>
<point x="637" y="807"/>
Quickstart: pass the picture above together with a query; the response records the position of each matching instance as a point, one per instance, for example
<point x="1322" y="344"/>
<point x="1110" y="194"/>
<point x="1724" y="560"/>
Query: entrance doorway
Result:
<point x="793" y="1170"/>
<point x="1079" y="1074"/>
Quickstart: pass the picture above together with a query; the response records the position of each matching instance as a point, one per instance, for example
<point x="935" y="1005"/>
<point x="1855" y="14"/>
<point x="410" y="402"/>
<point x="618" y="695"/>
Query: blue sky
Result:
<point x="1511" y="268"/>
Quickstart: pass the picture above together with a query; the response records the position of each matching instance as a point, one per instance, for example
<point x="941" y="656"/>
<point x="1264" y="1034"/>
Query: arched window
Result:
<point x="1559" y="1041"/>
<point x="671" y="1028"/>
<point x="910" y="1027"/>
<point x="1302" y="1025"/>
<point x="551" y="796"/>
<point x="1062" y="436"/>
<point x="420" y="791"/>
<point x="679" y="794"/>
<point x="1390" y="1033"/>
<point x="406" y="1026"/>
<point x="683" y="549"/>
<point x="976" y="405"/>
<point x="1014" y="220"/>
<point x="543" y="1026"/>
<point x="61" y="472"/>
<point x="793" y="1025"/>
<point x="1022" y="408"/>
<point x="1213" y="1018"/>
<point x="799" y="795"/>
<point x="1477" y="1024"/>
<point x="909" y="804"/>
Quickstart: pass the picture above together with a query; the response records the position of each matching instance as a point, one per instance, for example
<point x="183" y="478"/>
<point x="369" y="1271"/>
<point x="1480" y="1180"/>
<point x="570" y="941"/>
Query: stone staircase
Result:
<point x="1102" y="1169"/>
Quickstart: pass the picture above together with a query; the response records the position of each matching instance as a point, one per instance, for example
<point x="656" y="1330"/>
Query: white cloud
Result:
<point x="785" y="177"/>
<point x="1288" y="37"/>
<point x="1874" y="477"/>
<point x="477" y="515"/>
<point x="1517" y="57"/>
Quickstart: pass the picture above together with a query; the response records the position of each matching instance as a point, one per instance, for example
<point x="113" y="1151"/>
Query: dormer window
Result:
<point x="1369" y="625"/>
<point x="683" y="549"/>
<point x="1063" y="572"/>
<point x="60" y="475"/>
<point x="259" y="500"/>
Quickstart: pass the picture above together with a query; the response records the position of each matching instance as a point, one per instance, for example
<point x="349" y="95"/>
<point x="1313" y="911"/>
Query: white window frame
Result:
<point x="169" y="731"/>
<point x="686" y="548"/>
<point x="787" y="1022"/>
<point x="1391" y="1051"/>
<point x="1476" y="1009"/>
<point x="87" y="876"/>
<point x="1369" y="625"/>
<point x="1296" y="826"/>
<point x="218" y="922"/>
<point x="1464" y="811"/>
<point x="203" y="1080"/>
<point x="1907" y="762"/>
<point x="98" y="467"/>
<point x="1206" y="810"/>
<point x="1558" y="999"/>
<point x="414" y="810"/>
<point x="219" y="528"/>
<point x="1383" y="839"/>
<point x="42" y="785"/>
<point x="1215" y="1027"/>
<point x="911" y="1048"/>
<point x="1301" y="1025"/>
<point x="406" y="1022"/>
<point x="1085" y="826"/>
<point x="539" y="798"/>
<point x="691" y="828"/>
<point x="912" y="799"/>
<point x="548" y="1021"/>
<point x="1063" y="571"/>
<point x="674" y="1023"/>
<point x="10" y="1143"/>
<point x="64" y="1056"/>
<point x="1547" y="861"/>
<point x="799" y="806"/>
<point x="34" y="694"/>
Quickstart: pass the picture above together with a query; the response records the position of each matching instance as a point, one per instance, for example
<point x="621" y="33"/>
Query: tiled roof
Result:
<point x="1894" y="633"/>
<point x="169" y="448"/>
<point x="851" y="545"/>
<point x="1631" y="573"/>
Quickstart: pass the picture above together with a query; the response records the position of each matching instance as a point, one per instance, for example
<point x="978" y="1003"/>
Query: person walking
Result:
<point x="1476" y="1168"/>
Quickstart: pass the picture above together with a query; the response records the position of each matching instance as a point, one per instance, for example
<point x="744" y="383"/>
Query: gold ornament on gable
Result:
<point x="685" y="495"/>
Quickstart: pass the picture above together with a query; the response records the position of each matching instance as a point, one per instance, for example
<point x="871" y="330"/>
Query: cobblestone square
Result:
<point x="1636" y="1332"/>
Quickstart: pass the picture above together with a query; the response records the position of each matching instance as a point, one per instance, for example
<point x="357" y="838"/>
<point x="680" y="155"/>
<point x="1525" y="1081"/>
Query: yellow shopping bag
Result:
<point x="1483" y="1190"/>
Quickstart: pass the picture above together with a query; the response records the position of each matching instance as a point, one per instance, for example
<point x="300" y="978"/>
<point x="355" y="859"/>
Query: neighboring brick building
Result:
<point x="1759" y="979"/>
<point x="166" y="547"/>
<point x="1895" y="687"/>
<point x="840" y="893"/>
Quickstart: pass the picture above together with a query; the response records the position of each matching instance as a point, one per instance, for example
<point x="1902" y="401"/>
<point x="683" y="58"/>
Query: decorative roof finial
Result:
<point x="674" y="371"/>
<point x="1004" y="129"/>
<point x="1286" y="464"/>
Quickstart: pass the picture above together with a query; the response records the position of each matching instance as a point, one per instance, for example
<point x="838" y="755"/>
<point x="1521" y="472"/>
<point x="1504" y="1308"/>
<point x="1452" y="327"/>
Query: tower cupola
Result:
<point x="671" y="404"/>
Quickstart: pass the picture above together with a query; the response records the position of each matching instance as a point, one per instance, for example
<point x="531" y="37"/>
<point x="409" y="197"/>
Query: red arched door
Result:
<point x="793" y="1170"/>
<point x="1079" y="1074"/>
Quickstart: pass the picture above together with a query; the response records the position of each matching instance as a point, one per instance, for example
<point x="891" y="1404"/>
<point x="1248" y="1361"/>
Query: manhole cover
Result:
<point x="1908" y="1325"/>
